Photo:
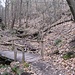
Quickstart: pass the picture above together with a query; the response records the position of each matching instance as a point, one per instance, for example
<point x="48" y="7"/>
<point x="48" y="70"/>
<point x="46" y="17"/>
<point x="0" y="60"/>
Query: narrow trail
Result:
<point x="46" y="68"/>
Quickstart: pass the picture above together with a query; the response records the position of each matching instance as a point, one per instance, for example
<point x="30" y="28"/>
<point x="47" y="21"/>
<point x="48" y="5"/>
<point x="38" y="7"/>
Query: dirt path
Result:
<point x="46" y="68"/>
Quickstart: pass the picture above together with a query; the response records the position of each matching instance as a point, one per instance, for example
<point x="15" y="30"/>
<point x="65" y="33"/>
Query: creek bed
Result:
<point x="5" y="60"/>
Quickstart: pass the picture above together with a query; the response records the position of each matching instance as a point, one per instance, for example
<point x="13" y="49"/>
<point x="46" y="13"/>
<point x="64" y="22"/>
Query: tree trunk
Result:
<point x="6" y="13"/>
<point x="20" y="14"/>
<point x="27" y="4"/>
<point x="13" y="15"/>
<point x="71" y="4"/>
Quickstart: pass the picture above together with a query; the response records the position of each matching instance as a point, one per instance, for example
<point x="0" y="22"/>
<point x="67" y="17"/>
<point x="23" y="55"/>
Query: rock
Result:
<point x="6" y="73"/>
<point x="56" y="52"/>
<point x="25" y="73"/>
<point x="72" y="43"/>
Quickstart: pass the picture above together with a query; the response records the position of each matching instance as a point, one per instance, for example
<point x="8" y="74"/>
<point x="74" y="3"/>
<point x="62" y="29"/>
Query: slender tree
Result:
<point x="6" y="12"/>
<point x="20" y="14"/>
<point x="27" y="4"/>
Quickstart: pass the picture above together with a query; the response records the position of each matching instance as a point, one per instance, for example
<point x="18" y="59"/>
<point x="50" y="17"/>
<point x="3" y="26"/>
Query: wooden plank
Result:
<point x="29" y="57"/>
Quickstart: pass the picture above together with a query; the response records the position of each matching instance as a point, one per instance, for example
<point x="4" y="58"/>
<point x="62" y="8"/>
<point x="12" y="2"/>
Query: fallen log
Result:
<point x="6" y="44"/>
<point x="62" y="20"/>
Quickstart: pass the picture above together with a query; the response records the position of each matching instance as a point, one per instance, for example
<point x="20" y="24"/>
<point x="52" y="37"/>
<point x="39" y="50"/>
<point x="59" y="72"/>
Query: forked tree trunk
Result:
<point x="71" y="4"/>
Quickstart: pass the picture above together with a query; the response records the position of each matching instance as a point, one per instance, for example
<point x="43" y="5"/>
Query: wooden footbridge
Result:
<point x="22" y="55"/>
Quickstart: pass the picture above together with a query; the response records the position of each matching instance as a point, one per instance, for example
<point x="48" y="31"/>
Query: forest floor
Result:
<point x="53" y="64"/>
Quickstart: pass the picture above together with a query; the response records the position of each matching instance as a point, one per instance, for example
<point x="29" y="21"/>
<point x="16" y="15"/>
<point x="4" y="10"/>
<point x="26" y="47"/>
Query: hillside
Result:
<point x="37" y="37"/>
<point x="64" y="32"/>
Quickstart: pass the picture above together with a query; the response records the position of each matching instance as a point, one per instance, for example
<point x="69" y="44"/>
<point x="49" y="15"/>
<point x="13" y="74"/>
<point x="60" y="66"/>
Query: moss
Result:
<point x="69" y="55"/>
<point x="26" y="65"/>
<point x="57" y="42"/>
<point x="15" y="68"/>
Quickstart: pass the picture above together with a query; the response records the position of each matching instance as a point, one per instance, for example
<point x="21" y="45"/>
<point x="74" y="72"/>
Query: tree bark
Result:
<point x="20" y="14"/>
<point x="27" y="4"/>
<point x="71" y="4"/>
<point x="6" y="13"/>
<point x="13" y="15"/>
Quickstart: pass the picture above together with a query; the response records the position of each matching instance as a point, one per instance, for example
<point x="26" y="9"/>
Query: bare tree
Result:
<point x="20" y="14"/>
<point x="6" y="12"/>
<point x="27" y="4"/>
<point x="13" y="8"/>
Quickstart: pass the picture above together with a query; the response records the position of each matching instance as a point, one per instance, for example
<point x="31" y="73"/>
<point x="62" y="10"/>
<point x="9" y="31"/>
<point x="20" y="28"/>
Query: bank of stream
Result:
<point x="5" y="60"/>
